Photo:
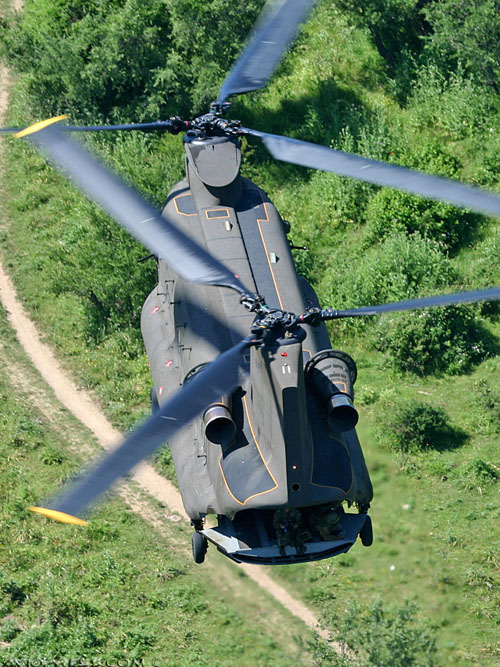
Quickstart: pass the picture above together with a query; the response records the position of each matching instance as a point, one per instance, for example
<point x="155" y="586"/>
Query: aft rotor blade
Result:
<point x="221" y="377"/>
<point x="273" y="32"/>
<point x="156" y="232"/>
<point x="490" y="294"/>
<point x="314" y="156"/>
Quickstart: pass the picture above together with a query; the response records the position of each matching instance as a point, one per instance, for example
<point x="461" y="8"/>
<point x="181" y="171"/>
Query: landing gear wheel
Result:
<point x="200" y="545"/>
<point x="155" y="406"/>
<point x="366" y="533"/>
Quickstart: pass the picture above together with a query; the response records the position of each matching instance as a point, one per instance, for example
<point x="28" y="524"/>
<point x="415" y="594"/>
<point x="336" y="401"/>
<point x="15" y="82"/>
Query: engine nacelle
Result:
<point x="332" y="374"/>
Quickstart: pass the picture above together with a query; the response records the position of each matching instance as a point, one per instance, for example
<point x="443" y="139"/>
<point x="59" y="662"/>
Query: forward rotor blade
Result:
<point x="382" y="173"/>
<point x="219" y="378"/>
<point x="155" y="126"/>
<point x="490" y="294"/>
<point x="156" y="232"/>
<point x="274" y="30"/>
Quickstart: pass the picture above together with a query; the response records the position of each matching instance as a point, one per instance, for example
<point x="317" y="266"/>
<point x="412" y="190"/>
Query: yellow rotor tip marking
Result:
<point x="39" y="126"/>
<point x="59" y="516"/>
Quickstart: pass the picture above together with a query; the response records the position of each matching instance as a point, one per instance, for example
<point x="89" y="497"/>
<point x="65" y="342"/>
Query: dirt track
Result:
<point x="82" y="406"/>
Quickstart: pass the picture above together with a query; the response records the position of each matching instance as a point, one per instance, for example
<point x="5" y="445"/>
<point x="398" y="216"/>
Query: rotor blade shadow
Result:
<point x="208" y="326"/>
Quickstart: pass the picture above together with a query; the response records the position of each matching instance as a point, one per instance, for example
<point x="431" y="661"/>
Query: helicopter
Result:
<point x="256" y="405"/>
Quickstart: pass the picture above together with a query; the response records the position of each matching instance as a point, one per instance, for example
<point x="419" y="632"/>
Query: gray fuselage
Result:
<point x="284" y="452"/>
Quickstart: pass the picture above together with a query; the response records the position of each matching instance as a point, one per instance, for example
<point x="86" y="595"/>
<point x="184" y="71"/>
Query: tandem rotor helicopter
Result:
<point x="256" y="405"/>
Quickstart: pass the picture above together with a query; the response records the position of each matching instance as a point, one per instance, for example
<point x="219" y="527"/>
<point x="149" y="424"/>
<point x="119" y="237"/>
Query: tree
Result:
<point x="467" y="32"/>
<point x="125" y="59"/>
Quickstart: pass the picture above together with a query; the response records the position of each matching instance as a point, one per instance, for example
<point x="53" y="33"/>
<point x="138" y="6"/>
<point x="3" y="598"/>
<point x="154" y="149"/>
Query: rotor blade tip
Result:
<point x="59" y="516"/>
<point x="36" y="127"/>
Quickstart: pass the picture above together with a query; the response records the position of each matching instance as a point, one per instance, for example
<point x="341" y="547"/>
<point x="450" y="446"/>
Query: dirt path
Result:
<point x="82" y="406"/>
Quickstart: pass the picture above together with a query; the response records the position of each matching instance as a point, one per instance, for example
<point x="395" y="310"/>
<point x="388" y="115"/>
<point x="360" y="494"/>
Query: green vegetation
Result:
<point x="398" y="267"/>
<point x="373" y="635"/>
<point x="466" y="34"/>
<point x="415" y="426"/>
<point x="122" y="60"/>
<point x="399" y="80"/>
<point x="449" y="340"/>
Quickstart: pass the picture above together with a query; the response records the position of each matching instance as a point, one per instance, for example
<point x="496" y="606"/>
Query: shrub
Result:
<point x="486" y="399"/>
<point x="27" y="430"/>
<point x="476" y="473"/>
<point x="485" y="269"/>
<point x="372" y="634"/>
<point x="343" y="198"/>
<point x="435" y="340"/>
<point x="399" y="268"/>
<point x="9" y="630"/>
<point x="392" y="210"/>
<point x="51" y="456"/>
<point x="366" y="395"/>
<point x="396" y="27"/>
<point x="453" y="103"/>
<point x="126" y="59"/>
<point x="411" y="426"/>
<point x="466" y="32"/>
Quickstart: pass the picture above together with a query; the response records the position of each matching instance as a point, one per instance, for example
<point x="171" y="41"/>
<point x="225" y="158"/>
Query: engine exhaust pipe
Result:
<point x="341" y="414"/>
<point x="219" y="425"/>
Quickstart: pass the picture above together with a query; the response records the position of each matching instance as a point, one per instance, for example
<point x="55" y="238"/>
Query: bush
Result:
<point x="465" y="32"/>
<point x="399" y="268"/>
<point x="9" y="630"/>
<point x="453" y="103"/>
<point x="396" y="27"/>
<point x="487" y="400"/>
<point x="476" y="473"/>
<point x="411" y="426"/>
<point x="484" y="270"/>
<point x="126" y="59"/>
<point x="375" y="635"/>
<point x="343" y="198"/>
<point x="392" y="210"/>
<point x="435" y="340"/>
<point x="92" y="59"/>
